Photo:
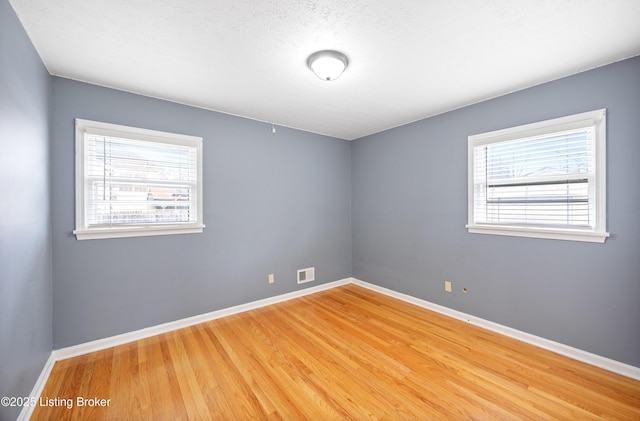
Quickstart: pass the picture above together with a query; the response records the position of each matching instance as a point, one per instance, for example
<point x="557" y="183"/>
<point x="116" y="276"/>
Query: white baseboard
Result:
<point x="26" y="412"/>
<point x="574" y="353"/>
<point x="562" y="349"/>
<point x="100" y="344"/>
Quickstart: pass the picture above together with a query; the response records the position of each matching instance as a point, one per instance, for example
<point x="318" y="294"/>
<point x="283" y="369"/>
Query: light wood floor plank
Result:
<point x="345" y="353"/>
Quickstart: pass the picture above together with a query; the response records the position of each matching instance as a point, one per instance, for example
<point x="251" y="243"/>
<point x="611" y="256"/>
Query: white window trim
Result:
<point x="82" y="231"/>
<point x="596" y="235"/>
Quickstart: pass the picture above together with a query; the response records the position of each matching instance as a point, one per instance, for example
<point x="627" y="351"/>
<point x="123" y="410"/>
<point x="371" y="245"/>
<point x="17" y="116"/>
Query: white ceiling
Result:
<point x="409" y="59"/>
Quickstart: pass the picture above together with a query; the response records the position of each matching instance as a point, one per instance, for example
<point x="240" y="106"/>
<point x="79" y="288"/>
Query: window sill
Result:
<point x="140" y="231"/>
<point x="534" y="232"/>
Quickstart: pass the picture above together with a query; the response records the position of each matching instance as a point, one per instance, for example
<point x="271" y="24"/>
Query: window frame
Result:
<point x="85" y="232"/>
<point x="598" y="233"/>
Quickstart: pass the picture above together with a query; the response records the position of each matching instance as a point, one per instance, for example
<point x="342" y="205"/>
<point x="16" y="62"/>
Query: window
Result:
<point x="136" y="182"/>
<point x="543" y="180"/>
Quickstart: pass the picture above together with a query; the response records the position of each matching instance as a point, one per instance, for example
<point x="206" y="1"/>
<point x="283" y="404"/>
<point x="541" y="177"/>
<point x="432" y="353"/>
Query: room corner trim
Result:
<point x="559" y="348"/>
<point x="27" y="411"/>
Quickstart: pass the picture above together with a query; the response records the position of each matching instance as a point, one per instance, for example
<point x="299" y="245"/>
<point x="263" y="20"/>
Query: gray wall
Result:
<point x="25" y="242"/>
<point x="272" y="204"/>
<point x="410" y="211"/>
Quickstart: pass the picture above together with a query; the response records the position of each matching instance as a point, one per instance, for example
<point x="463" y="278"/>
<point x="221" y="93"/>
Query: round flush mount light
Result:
<point x="328" y="64"/>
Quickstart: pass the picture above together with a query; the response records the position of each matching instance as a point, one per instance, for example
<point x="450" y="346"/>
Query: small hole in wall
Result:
<point x="465" y="290"/>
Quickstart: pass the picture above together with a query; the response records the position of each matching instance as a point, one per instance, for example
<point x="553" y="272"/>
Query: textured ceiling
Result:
<point x="409" y="59"/>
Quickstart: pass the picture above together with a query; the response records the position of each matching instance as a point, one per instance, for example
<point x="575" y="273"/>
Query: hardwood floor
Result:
<point x="345" y="353"/>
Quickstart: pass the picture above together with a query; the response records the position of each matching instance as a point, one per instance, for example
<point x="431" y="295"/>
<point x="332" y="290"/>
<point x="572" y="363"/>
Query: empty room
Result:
<point x="315" y="210"/>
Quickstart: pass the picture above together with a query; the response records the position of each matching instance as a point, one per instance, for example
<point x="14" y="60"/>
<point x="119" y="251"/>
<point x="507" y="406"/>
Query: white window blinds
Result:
<point x="543" y="180"/>
<point x="138" y="182"/>
<point x="132" y="181"/>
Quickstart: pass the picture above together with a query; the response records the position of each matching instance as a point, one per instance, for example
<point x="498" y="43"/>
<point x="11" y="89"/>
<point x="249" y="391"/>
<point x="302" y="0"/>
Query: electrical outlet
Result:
<point x="272" y="278"/>
<point x="447" y="286"/>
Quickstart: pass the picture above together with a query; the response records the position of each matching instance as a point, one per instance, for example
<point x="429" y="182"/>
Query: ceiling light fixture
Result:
<point x="328" y="64"/>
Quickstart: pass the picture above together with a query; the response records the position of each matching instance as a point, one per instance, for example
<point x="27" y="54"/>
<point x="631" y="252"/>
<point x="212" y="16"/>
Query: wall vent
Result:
<point x="306" y="275"/>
